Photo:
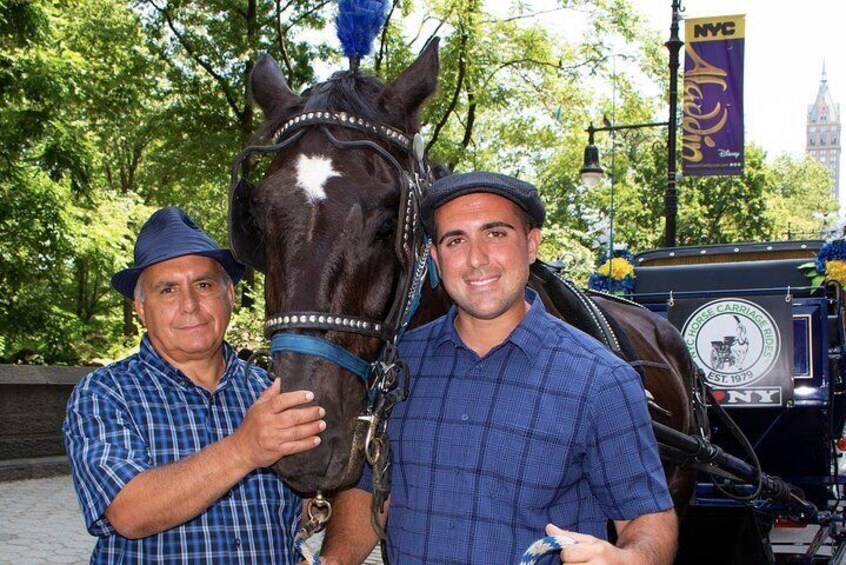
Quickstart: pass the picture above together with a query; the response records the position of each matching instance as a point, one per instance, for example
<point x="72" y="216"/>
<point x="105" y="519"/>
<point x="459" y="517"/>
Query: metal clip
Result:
<point x="319" y="511"/>
<point x="788" y="297"/>
<point x="671" y="301"/>
<point x="372" y="443"/>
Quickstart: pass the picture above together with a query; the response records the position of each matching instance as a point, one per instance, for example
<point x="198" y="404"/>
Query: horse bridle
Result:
<point x="411" y="246"/>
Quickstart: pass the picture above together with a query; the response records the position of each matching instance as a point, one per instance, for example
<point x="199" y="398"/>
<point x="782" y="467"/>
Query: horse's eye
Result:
<point x="386" y="229"/>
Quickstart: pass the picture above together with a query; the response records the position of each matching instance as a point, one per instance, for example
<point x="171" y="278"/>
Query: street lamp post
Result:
<point x="591" y="172"/>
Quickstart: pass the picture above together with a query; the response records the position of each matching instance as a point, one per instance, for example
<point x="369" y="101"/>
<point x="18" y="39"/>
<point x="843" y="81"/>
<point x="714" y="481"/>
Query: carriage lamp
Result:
<point x="591" y="171"/>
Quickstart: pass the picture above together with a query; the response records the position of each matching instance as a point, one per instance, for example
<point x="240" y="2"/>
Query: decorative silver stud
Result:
<point x="312" y="318"/>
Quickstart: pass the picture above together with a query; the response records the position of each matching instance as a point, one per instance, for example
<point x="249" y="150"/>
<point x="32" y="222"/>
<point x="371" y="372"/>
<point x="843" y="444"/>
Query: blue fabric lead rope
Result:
<point x="544" y="546"/>
<point x="308" y="555"/>
<point x="308" y="345"/>
<point x="530" y="557"/>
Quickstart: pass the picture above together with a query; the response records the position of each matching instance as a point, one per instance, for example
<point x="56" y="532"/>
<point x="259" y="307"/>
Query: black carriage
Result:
<point x="770" y="345"/>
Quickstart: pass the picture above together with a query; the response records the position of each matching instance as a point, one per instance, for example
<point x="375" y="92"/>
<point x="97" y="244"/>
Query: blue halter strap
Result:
<point x="307" y="345"/>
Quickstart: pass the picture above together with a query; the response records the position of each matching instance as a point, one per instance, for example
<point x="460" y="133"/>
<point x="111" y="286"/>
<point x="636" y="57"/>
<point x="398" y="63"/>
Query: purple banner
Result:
<point x="712" y="107"/>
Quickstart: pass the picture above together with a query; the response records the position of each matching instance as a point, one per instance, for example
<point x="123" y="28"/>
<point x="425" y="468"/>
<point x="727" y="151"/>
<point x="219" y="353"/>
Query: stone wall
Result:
<point x="32" y="408"/>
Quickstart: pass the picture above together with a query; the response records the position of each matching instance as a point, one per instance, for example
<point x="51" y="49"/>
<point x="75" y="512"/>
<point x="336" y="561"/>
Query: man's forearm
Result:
<point x="350" y="537"/>
<point x="652" y="537"/>
<point x="163" y="497"/>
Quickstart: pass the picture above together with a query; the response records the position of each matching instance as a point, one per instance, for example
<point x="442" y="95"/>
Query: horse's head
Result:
<point x="322" y="224"/>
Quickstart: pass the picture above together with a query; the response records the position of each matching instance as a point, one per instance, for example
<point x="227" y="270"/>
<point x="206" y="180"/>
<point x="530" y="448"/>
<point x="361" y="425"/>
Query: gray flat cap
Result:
<point x="443" y="190"/>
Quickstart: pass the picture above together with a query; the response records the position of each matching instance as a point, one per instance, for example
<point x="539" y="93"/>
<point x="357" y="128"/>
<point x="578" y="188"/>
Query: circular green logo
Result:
<point x="736" y="342"/>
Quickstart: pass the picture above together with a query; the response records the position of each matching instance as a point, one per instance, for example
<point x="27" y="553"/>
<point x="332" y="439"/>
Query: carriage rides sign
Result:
<point x="745" y="347"/>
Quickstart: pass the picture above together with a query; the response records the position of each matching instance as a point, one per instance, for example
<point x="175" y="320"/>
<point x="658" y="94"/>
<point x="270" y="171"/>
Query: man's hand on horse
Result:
<point x="275" y="427"/>
<point x="594" y="551"/>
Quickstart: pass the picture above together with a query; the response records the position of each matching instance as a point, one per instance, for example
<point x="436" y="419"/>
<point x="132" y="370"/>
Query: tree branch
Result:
<point x="227" y="89"/>
<point x="441" y="23"/>
<point x="280" y="38"/>
<point x="317" y="7"/>
<point x="471" y="119"/>
<point x="383" y="47"/>
<point x="459" y="84"/>
<point x="523" y="16"/>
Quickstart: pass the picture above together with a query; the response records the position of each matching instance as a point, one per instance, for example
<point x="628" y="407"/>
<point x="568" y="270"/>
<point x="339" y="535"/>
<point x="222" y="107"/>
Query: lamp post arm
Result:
<point x="591" y="130"/>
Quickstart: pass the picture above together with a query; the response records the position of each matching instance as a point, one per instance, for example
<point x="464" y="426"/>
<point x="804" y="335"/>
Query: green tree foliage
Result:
<point x="61" y="231"/>
<point x="799" y="198"/>
<point x="110" y="108"/>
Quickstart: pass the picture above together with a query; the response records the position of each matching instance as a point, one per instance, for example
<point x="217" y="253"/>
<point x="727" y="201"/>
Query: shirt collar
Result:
<point x="524" y="336"/>
<point x="151" y="357"/>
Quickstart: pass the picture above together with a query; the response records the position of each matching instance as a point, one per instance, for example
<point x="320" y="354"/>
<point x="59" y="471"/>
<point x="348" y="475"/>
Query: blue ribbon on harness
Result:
<point x="308" y="345"/>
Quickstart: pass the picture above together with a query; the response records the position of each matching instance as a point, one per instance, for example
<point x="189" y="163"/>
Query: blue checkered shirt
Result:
<point x="548" y="427"/>
<point x="141" y="413"/>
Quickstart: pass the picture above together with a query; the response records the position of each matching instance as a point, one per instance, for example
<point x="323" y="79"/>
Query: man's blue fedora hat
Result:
<point x="168" y="234"/>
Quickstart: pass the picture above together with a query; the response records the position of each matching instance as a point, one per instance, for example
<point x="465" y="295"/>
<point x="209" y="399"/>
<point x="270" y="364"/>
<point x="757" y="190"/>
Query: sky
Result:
<point x="786" y="45"/>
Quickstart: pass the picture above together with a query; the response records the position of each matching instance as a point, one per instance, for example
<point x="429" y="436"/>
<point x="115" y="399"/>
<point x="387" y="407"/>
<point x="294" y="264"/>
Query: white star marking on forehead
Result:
<point x="312" y="174"/>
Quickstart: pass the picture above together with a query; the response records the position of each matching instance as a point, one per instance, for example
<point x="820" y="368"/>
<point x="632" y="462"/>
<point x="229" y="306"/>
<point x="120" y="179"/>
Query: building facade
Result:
<point x="822" y="135"/>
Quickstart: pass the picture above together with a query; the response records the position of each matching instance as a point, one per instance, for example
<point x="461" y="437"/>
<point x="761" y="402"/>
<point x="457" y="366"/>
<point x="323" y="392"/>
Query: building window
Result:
<point x="813" y="141"/>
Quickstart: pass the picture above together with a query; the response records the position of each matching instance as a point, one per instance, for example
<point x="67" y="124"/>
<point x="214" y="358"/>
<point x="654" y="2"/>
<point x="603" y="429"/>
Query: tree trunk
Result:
<point x="129" y="329"/>
<point x="246" y="127"/>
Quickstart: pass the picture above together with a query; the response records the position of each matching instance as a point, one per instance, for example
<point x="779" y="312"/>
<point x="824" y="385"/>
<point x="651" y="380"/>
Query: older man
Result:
<point x="515" y="420"/>
<point x="170" y="447"/>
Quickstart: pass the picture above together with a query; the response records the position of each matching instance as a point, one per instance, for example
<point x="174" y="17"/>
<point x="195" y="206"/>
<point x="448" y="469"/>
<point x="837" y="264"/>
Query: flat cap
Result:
<point x="522" y="193"/>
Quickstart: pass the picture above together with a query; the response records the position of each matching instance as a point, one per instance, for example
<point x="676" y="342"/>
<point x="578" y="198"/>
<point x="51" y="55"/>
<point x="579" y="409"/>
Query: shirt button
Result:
<point x="464" y="417"/>
<point x="237" y="543"/>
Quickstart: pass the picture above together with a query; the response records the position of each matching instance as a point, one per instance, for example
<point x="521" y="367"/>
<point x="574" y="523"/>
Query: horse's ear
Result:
<point x="416" y="83"/>
<point x="270" y="89"/>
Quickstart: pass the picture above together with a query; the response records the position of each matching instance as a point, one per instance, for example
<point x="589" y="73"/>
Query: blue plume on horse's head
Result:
<point x="358" y="22"/>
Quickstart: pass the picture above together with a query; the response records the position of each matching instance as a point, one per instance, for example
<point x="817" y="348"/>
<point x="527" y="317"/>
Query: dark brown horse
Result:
<point x="323" y="225"/>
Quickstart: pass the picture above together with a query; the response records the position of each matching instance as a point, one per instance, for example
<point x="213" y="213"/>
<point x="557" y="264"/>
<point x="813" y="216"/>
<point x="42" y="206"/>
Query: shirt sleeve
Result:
<point x="104" y="448"/>
<point x="623" y="464"/>
<point x="365" y="483"/>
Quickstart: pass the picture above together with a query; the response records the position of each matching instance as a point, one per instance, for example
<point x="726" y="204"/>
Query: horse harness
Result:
<point x="411" y="247"/>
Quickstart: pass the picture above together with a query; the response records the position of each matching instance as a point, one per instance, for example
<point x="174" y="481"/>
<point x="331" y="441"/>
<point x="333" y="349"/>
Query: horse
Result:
<point x="331" y="223"/>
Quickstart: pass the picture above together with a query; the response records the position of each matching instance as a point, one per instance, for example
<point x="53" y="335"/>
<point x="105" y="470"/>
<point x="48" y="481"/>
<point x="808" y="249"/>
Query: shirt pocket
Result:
<point x="525" y="471"/>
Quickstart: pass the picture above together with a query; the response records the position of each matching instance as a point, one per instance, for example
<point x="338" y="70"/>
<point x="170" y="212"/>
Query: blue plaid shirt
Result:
<point x="548" y="427"/>
<point x="141" y="413"/>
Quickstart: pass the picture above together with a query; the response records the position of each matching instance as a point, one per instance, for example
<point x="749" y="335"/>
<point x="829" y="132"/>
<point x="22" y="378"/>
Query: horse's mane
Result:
<point x="348" y="91"/>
